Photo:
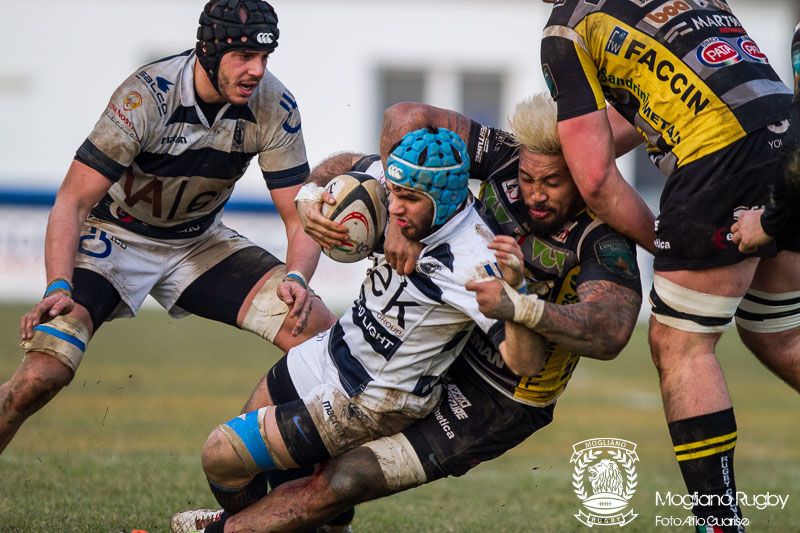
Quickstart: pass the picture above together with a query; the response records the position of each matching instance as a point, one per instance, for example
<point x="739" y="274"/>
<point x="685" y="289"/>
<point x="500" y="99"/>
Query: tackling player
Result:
<point x="378" y="368"/>
<point x="139" y="211"/>
<point x="713" y="113"/>
<point x="587" y="289"/>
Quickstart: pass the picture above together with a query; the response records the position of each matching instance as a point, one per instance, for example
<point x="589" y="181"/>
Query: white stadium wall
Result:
<point x="56" y="77"/>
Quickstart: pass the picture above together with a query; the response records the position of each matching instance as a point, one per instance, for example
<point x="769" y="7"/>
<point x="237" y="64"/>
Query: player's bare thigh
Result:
<point x="778" y="274"/>
<point x="777" y="346"/>
<point x="729" y="281"/>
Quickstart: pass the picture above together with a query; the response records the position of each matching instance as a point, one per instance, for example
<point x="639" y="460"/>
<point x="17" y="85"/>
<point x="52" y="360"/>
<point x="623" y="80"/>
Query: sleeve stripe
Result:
<point x="566" y="33"/>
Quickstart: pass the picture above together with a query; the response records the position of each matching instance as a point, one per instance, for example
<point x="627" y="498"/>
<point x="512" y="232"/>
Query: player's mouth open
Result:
<point x="539" y="213"/>
<point x="247" y="88"/>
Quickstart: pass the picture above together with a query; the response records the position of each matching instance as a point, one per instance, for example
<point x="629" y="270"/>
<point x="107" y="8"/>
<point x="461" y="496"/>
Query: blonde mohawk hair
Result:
<point x="534" y="124"/>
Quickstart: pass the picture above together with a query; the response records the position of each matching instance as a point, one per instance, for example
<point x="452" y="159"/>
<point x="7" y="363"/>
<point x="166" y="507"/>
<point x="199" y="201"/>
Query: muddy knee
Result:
<point x="378" y="468"/>
<point x="37" y="380"/>
<point x="238" y="450"/>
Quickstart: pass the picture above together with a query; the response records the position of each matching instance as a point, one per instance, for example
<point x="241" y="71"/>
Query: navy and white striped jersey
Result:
<point x="403" y="332"/>
<point x="172" y="168"/>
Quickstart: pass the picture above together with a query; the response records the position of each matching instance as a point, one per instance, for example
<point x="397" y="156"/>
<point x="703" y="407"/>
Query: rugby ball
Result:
<point x="360" y="207"/>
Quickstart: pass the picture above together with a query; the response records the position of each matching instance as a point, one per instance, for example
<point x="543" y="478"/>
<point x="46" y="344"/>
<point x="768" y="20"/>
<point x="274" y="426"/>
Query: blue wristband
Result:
<point x="296" y="277"/>
<point x="58" y="284"/>
<point x="524" y="288"/>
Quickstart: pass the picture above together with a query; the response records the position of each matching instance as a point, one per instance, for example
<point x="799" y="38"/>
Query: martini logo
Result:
<point x="715" y="52"/>
<point x="608" y="466"/>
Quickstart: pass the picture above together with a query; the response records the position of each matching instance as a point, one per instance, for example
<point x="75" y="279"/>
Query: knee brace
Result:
<point x="688" y="310"/>
<point x="247" y="436"/>
<point x="766" y="312"/>
<point x="64" y="338"/>
<point x="399" y="463"/>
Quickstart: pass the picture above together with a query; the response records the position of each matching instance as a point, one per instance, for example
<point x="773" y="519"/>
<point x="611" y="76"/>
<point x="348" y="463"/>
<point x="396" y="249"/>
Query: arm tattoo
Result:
<point x="503" y="308"/>
<point x="599" y="324"/>
<point x="458" y="123"/>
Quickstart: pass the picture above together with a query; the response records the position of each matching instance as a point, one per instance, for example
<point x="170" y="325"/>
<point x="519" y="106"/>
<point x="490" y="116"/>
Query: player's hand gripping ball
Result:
<point x="360" y="207"/>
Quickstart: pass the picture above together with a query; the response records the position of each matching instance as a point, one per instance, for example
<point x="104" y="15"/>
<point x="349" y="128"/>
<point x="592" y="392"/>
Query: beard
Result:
<point x="552" y="226"/>
<point x="227" y="89"/>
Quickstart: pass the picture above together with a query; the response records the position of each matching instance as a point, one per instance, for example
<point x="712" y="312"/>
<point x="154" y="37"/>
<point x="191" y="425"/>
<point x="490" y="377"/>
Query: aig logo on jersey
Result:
<point x="608" y="464"/>
<point x="617" y="39"/>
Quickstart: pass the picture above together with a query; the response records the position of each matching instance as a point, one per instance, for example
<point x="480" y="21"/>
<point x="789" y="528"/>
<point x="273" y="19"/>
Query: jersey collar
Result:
<point x="188" y="94"/>
<point x="453" y="226"/>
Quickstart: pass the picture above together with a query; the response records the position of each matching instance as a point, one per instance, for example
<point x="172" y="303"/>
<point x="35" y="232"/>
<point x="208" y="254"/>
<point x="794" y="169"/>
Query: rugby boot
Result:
<point x="193" y="520"/>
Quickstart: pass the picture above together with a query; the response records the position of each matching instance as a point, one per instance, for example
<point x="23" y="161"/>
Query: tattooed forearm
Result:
<point x="502" y="308"/>
<point x="598" y="326"/>
<point x="401" y="118"/>
<point x="458" y="123"/>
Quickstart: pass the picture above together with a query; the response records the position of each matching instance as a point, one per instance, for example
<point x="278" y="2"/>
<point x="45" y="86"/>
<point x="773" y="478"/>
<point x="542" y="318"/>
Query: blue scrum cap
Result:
<point x="435" y="163"/>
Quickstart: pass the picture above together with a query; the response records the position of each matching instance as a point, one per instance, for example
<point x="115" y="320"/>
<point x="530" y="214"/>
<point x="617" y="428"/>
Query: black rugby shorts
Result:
<point x="702" y="199"/>
<point x="472" y="423"/>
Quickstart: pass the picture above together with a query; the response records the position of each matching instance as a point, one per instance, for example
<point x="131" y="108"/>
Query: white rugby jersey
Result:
<point x="172" y="170"/>
<point x="403" y="332"/>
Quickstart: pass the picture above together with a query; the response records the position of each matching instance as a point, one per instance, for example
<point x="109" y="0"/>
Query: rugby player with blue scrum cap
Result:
<point x="378" y="368"/>
<point x="585" y="305"/>
<point x="139" y="211"/>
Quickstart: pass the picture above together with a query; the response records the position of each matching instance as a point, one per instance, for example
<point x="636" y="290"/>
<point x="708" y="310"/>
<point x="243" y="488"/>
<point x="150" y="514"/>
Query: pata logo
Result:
<point x="612" y="478"/>
<point x="265" y="38"/>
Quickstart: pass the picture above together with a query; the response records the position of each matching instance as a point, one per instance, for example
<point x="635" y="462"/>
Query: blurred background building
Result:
<point x="345" y="61"/>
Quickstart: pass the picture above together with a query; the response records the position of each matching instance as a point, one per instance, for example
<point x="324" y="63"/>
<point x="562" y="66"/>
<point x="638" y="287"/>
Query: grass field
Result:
<point x="119" y="448"/>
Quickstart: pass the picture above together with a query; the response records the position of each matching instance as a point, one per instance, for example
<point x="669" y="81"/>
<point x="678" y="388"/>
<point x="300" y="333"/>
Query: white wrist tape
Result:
<point x="310" y="192"/>
<point x="528" y="308"/>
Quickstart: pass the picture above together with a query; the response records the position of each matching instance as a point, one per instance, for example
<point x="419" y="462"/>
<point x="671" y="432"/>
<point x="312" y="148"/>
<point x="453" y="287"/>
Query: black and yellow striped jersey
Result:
<point x="683" y="72"/>
<point x="585" y="249"/>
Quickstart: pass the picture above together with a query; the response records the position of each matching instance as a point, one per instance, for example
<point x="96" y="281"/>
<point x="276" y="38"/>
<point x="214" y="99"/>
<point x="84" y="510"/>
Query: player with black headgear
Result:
<point x="140" y="209"/>
<point x="228" y="25"/>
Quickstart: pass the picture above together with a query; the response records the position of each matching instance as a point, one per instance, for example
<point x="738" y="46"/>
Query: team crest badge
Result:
<point x="132" y="101"/>
<point x="606" y="468"/>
